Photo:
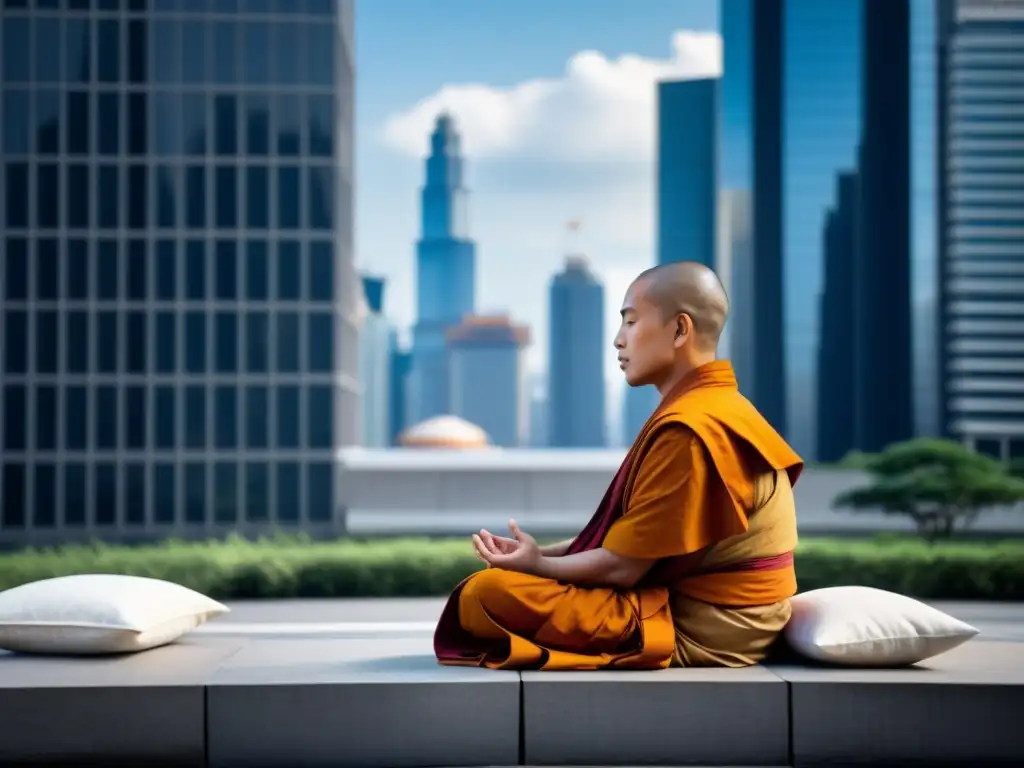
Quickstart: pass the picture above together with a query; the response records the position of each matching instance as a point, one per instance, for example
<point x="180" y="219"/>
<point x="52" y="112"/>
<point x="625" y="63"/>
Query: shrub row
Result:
<point x="298" y="567"/>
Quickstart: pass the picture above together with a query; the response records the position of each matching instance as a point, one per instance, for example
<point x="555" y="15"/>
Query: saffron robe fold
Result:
<point x="706" y="490"/>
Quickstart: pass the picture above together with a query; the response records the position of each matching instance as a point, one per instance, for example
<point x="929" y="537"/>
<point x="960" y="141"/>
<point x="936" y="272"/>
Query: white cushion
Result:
<point x="868" y="627"/>
<point x="99" y="613"/>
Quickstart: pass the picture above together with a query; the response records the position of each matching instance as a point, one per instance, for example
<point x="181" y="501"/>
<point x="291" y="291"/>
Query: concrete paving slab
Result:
<point x="667" y="717"/>
<point x="960" y="708"/>
<point x="383" y="702"/>
<point x="140" y="709"/>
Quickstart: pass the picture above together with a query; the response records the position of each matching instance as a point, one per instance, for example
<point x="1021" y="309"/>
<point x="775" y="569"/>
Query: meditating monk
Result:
<point x="688" y="560"/>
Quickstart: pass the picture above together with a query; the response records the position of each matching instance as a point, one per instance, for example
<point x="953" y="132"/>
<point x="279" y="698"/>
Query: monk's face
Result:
<point x="646" y="342"/>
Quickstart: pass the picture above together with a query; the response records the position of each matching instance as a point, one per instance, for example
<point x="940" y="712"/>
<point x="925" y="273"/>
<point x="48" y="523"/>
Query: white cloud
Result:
<point x="600" y="109"/>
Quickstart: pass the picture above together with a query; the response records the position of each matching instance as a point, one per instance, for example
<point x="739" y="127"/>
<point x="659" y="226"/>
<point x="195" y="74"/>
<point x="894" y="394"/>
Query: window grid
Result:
<point x="68" y="161"/>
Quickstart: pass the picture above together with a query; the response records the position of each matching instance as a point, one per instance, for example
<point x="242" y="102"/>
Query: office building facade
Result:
<point x="180" y="337"/>
<point x="980" y="162"/>
<point x="576" y="355"/>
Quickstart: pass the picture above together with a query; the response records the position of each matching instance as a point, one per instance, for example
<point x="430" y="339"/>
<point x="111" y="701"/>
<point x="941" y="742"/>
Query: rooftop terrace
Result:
<point x="355" y="683"/>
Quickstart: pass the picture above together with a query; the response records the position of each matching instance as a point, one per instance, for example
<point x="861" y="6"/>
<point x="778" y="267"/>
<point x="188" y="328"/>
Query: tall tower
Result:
<point x="751" y="169"/>
<point x="576" y="389"/>
<point x="446" y="271"/>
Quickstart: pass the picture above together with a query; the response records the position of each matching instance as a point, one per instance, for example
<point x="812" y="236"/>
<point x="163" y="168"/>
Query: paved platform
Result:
<point x="356" y="689"/>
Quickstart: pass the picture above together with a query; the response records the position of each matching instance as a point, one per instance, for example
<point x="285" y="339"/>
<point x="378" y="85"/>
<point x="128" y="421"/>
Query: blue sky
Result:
<point x="551" y="135"/>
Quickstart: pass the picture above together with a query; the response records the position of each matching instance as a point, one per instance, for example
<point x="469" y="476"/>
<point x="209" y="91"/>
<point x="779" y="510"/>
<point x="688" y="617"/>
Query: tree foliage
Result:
<point x="939" y="484"/>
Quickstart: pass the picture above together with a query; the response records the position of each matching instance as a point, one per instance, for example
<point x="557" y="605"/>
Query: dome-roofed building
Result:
<point x="444" y="432"/>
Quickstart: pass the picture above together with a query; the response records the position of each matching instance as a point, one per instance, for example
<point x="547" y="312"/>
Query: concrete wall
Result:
<point x="552" y="493"/>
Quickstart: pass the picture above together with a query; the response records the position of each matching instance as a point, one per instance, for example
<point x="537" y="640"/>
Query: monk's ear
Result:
<point x="684" y="329"/>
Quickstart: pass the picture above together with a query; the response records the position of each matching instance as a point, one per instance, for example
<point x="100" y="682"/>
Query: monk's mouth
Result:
<point x="623" y="364"/>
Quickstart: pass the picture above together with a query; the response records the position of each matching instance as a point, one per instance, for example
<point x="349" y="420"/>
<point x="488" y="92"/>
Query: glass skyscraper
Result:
<point x="179" y="316"/>
<point x="576" y="353"/>
<point x="821" y="128"/>
<point x="687" y="170"/>
<point x="980" y="160"/>
<point x="751" y="178"/>
<point x="813" y="95"/>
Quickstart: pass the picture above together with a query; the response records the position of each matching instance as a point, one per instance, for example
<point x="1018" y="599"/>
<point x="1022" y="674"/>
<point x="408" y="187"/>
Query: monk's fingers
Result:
<point x="481" y="549"/>
<point x="489" y="540"/>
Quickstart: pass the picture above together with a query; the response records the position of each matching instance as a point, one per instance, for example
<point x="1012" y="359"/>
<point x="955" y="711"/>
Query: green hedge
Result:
<point x="297" y="567"/>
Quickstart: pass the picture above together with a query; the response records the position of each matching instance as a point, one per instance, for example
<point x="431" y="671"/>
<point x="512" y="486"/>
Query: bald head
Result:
<point x="691" y="288"/>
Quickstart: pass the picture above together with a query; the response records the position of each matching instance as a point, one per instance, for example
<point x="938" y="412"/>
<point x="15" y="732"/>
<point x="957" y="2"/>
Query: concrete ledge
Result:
<point x="961" y="708"/>
<point x="264" y="700"/>
<point x="669" y="717"/>
<point x="142" y="709"/>
<point x="357" y="702"/>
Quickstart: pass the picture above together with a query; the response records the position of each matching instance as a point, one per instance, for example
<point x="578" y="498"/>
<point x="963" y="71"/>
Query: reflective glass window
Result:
<point x="107" y="342"/>
<point x="12" y="511"/>
<point x="195" y="493"/>
<point x="225" y="409"/>
<point x="257" y="410"/>
<point x="15" y="416"/>
<point x="288" y="492"/>
<point x="44" y="506"/>
<point x="46" y="407"/>
<point x="105" y="494"/>
<point x="165" y="493"/>
<point x="165" y="415"/>
<point x="195" y="417"/>
<point x="105" y="409"/>
<point x="76" y="418"/>
<point x="225" y="492"/>
<point x="75" y="490"/>
<point x="78" y="346"/>
<point x="166" y="353"/>
<point x="136" y="342"/>
<point x="135" y="493"/>
<point x="288" y="417"/>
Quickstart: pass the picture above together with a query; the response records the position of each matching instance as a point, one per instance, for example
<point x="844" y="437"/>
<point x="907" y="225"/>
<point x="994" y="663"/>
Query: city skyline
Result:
<point x="522" y="194"/>
<point x="808" y="177"/>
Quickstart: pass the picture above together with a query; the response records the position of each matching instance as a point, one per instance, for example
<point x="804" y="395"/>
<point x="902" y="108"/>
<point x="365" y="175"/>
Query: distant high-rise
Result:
<point x="488" y="377"/>
<point x="981" y="216"/>
<point x="884" y="346"/>
<point x="750" y="167"/>
<point x="576" y="354"/>
<point x="687" y="192"/>
<point x="398" y="384"/>
<point x="375" y="366"/>
<point x="638" y="403"/>
<point x="179" y="308"/>
<point x="687" y="170"/>
<point x="446" y="271"/>
<point x="837" y="415"/>
<point x="538" y="413"/>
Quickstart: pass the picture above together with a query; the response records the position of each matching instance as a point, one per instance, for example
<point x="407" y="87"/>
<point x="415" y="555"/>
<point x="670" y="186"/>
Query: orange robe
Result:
<point x="706" y="490"/>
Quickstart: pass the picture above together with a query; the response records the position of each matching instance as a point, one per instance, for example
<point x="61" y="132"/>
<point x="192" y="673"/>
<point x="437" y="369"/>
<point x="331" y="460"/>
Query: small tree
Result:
<point x="939" y="484"/>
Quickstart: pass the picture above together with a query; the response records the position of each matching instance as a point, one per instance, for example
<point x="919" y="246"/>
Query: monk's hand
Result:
<point x="524" y="557"/>
<point x="501" y="545"/>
